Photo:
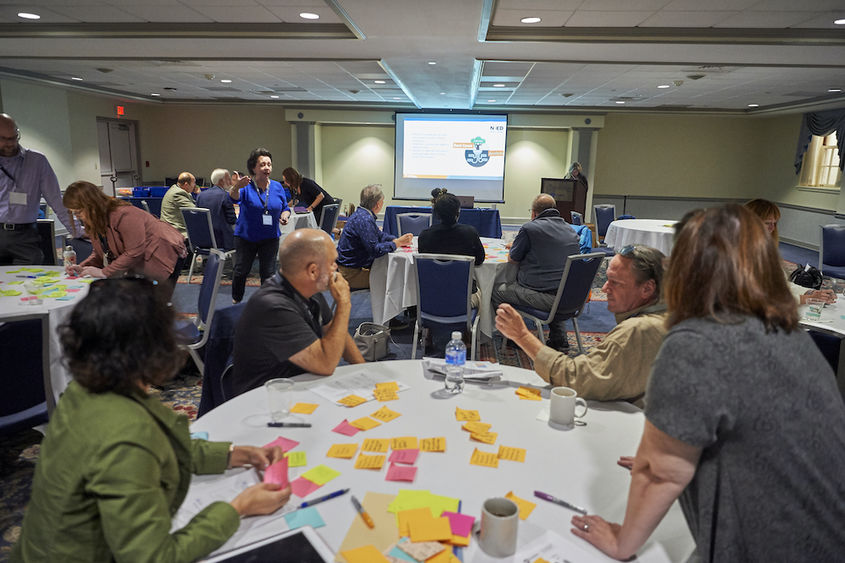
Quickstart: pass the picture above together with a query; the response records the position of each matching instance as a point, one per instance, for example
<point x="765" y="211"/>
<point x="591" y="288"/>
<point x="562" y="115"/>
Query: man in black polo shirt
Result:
<point x="287" y="327"/>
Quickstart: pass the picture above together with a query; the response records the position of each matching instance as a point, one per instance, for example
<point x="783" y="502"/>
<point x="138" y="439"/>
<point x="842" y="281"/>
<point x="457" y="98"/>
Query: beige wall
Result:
<point x="531" y="154"/>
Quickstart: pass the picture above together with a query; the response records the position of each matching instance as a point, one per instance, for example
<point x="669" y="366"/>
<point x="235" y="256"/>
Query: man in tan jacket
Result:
<point x="617" y="368"/>
<point x="179" y="195"/>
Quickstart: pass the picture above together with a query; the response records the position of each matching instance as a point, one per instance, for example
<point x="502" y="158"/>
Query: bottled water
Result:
<point x="456" y="357"/>
<point x="69" y="256"/>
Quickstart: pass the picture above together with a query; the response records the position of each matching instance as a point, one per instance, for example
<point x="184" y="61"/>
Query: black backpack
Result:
<point x="807" y="276"/>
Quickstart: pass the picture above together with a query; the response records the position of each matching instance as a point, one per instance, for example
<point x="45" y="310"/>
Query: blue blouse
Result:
<point x="250" y="224"/>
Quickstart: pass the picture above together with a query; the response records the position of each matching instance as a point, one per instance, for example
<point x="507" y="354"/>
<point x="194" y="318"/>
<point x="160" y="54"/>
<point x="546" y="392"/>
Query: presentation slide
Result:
<point x="464" y="153"/>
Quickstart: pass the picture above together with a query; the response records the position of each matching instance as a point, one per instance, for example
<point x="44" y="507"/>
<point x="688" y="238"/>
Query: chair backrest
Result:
<point x="328" y="218"/>
<point x="605" y="214"/>
<point x="414" y="223"/>
<point x="200" y="229"/>
<point x="47" y="234"/>
<point x="575" y="284"/>
<point x="25" y="392"/>
<point x="577" y="218"/>
<point x="209" y="288"/>
<point x="832" y="248"/>
<point x="444" y="288"/>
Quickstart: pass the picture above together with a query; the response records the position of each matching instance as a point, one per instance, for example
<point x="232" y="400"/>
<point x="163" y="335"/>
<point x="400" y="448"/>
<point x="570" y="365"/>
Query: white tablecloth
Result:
<point x="577" y="465"/>
<point x="657" y="233"/>
<point x="298" y="221"/>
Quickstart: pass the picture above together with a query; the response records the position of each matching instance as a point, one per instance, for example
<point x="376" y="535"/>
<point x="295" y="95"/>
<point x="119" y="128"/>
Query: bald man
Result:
<point x="287" y="327"/>
<point x="179" y="195"/>
<point x="540" y="248"/>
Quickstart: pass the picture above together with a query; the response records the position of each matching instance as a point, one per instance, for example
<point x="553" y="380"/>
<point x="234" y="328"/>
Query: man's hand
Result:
<point x="825" y="295"/>
<point x="404" y="240"/>
<point x="339" y="288"/>
<point x="510" y="323"/>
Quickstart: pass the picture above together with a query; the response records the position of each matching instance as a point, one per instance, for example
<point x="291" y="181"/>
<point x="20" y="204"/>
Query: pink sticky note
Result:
<point x="302" y="487"/>
<point x="404" y="456"/>
<point x="461" y="523"/>
<point x="277" y="473"/>
<point x="401" y="473"/>
<point x="283" y="443"/>
<point x="345" y="428"/>
<point x="71" y="290"/>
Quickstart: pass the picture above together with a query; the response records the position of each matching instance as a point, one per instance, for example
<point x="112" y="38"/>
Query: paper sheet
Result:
<point x="358" y="383"/>
<point x="385" y="532"/>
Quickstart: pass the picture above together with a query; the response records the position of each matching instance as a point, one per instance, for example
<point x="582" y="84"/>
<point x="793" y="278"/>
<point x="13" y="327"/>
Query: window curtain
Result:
<point x="821" y="123"/>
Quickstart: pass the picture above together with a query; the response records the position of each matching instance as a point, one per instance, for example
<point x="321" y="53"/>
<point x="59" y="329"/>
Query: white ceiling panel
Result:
<point x="177" y="13"/>
<point x="550" y="18"/>
<point x="767" y="19"/>
<point x="627" y="18"/>
<point x="243" y="14"/>
<point x="666" y="18"/>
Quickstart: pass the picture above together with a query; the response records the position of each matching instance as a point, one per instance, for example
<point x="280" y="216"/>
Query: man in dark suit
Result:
<point x="216" y="199"/>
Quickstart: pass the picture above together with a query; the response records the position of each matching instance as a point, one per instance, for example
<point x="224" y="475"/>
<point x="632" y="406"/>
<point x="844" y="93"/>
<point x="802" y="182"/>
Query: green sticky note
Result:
<point x="296" y="459"/>
<point x="32" y="270"/>
<point x="16" y="282"/>
<point x="10" y="292"/>
<point x="321" y="474"/>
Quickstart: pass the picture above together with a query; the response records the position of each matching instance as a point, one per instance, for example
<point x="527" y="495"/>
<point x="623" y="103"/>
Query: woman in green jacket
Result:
<point x="115" y="464"/>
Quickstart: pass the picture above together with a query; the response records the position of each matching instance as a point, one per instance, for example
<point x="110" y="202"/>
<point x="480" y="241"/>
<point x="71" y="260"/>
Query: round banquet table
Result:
<point x="577" y="465"/>
<point x="297" y="221"/>
<point x="657" y="233"/>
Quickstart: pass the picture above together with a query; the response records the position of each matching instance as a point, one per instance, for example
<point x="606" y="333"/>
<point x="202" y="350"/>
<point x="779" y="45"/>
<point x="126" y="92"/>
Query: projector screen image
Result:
<point x="463" y="153"/>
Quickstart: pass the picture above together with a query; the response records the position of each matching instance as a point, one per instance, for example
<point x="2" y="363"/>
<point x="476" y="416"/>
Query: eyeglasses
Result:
<point x="628" y="250"/>
<point x="640" y="260"/>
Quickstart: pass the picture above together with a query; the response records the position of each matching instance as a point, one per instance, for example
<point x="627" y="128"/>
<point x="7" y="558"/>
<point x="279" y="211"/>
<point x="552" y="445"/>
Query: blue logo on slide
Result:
<point x="475" y="156"/>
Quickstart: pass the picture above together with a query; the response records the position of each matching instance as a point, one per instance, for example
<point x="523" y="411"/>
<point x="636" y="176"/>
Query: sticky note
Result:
<point x="383" y="395"/>
<point x="461" y="523"/>
<point x="345" y="428"/>
<point x="307" y="516"/>
<point x="378" y="445"/>
<point x="385" y="414"/>
<point x="388" y="385"/>
<point x="486" y="437"/>
<point x="297" y="459"/>
<point x="277" y="473"/>
<point x="344" y="451"/>
<point x="461" y="414"/>
<point x="477" y="427"/>
<point x="303" y="487"/>
<point x="352" y="401"/>
<point x="421" y="551"/>
<point x="512" y="454"/>
<point x="404" y="443"/>
<point x="485" y="459"/>
<point x="365" y="461"/>
<point x="445" y="556"/>
<point x="283" y="443"/>
<point x="525" y="506"/>
<point x="407" y="457"/>
<point x="460" y="541"/>
<point x="10" y="293"/>
<point x="365" y="554"/>
<point x="528" y="393"/>
<point x="320" y="474"/>
<point x="199" y="435"/>
<point x="365" y="423"/>
<point x="400" y="555"/>
<point x="406" y="516"/>
<point x="401" y="473"/>
<point x="433" y="444"/>
<point x="304" y="408"/>
<point x="434" y="529"/>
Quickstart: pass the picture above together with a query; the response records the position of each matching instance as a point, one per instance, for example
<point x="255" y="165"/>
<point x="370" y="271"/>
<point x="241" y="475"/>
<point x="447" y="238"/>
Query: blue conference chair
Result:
<point x="572" y="293"/>
<point x="200" y="234"/>
<point x="832" y="251"/>
<point x="328" y="218"/>
<point x="412" y="223"/>
<point x="194" y="334"/>
<point x="605" y="214"/>
<point x="444" y="289"/>
<point x="26" y="395"/>
<point x="577" y="218"/>
<point x="218" y="355"/>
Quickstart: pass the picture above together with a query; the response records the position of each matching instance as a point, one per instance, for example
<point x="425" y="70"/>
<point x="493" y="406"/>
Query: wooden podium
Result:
<point x="570" y="195"/>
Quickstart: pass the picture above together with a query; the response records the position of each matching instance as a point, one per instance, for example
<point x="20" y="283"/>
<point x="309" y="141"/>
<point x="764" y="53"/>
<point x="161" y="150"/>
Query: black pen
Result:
<point x="289" y="424"/>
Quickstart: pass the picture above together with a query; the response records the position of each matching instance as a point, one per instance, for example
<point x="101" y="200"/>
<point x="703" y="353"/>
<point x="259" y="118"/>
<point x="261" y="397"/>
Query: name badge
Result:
<point x="17" y="198"/>
<point x="267" y="219"/>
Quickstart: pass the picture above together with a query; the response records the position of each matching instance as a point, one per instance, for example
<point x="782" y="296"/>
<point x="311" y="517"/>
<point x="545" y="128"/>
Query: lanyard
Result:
<point x="7" y="173"/>
<point x="265" y="200"/>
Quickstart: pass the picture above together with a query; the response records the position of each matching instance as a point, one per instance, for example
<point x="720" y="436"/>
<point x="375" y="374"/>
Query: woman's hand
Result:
<point x="256" y="457"/>
<point x="92" y="272"/>
<point x="283" y="218"/>
<point x="263" y="498"/>
<point x="73" y="269"/>
<point x="825" y="295"/>
<point x="626" y="461"/>
<point x="602" y="534"/>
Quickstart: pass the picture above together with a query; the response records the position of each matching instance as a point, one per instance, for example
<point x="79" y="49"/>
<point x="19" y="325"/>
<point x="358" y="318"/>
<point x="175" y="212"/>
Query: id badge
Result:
<point x="17" y="198"/>
<point x="267" y="220"/>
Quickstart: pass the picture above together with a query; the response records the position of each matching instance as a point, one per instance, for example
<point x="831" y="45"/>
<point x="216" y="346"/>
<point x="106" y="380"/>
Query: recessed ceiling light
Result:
<point x="226" y="81"/>
<point x="275" y="97"/>
<point x="753" y="105"/>
<point x="379" y="82"/>
<point x="75" y="78"/>
<point x="28" y="16"/>
<point x="662" y="86"/>
<point x="442" y="93"/>
<point x="834" y="90"/>
<point x="837" y="22"/>
<point x="396" y="98"/>
<point x="432" y="62"/>
<point x="498" y="85"/>
<point x="154" y="94"/>
<point x="309" y="16"/>
<point x="620" y="102"/>
<point x="531" y="20"/>
<point x="491" y="101"/>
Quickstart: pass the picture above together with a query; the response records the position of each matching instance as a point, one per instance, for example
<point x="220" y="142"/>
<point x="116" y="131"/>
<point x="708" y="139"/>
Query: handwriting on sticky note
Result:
<point x="437" y="444"/>
<point x="365" y="423"/>
<point x="383" y="395"/>
<point x="343" y="451"/>
<point x="408" y="457"/>
<point x="320" y="474"/>
<point x="485" y="459"/>
<point x="352" y="401"/>
<point x="485" y="437"/>
<point x="525" y="506"/>
<point x="466" y="415"/>
<point x="401" y="473"/>
<point x="384" y="414"/>
<point x="476" y="427"/>
<point x="304" y="408"/>
<point x="512" y="454"/>
<point x="528" y="393"/>
<point x="404" y="443"/>
<point x="377" y="445"/>
<point x="365" y="461"/>
<point x="297" y="459"/>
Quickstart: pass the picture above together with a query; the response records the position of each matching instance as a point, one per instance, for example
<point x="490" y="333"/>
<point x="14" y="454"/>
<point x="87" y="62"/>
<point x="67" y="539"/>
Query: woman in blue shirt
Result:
<point x="262" y="207"/>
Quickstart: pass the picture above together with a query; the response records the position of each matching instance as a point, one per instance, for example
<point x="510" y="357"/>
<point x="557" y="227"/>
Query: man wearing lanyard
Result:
<point x="25" y="176"/>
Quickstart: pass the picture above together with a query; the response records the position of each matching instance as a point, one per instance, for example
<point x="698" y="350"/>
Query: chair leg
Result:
<point x="191" y="269"/>
<point x="416" y="339"/>
<point x="577" y="336"/>
<point x="197" y="360"/>
<point x="540" y="334"/>
<point x="474" y="342"/>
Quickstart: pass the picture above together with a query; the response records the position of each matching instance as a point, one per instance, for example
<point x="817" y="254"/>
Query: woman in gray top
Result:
<point x="744" y="422"/>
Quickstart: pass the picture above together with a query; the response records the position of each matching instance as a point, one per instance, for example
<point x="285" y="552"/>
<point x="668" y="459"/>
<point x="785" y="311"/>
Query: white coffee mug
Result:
<point x="499" y="522"/>
<point x="562" y="409"/>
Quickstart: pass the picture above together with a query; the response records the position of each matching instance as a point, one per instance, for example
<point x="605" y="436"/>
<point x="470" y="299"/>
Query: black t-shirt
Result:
<point x="277" y="322"/>
<point x="308" y="192"/>
<point x="452" y="239"/>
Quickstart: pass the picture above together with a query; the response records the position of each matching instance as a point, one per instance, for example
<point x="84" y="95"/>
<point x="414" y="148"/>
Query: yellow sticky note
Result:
<point x="378" y="445"/>
<point x="383" y="395"/>
<point x="352" y="401"/>
<point x="433" y="529"/>
<point x="320" y="474"/>
<point x="344" y="451"/>
<point x="296" y="459"/>
<point x="528" y="393"/>
<point x="365" y="461"/>
<point x="433" y="444"/>
<point x="304" y="408"/>
<point x="460" y="541"/>
<point x="540" y="560"/>
<point x="365" y="554"/>
<point x="406" y="516"/>
<point x="462" y="414"/>
<point x="404" y="443"/>
<point x="385" y="414"/>
<point x="477" y="427"/>
<point x="485" y="459"/>
<point x="525" y="506"/>
<point x="388" y="385"/>
<point x="365" y="423"/>
<point x="512" y="454"/>
<point x="486" y="437"/>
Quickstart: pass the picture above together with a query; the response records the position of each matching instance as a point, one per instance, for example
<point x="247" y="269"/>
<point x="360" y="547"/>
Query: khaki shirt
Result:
<point x="174" y="199"/>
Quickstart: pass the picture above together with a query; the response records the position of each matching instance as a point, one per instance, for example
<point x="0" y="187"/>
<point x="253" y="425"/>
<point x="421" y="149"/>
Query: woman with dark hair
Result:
<point x="450" y="237"/>
<point x="577" y="173"/>
<point x="307" y="191"/>
<point x="126" y="240"/>
<point x="744" y="422"/>
<point x="263" y="207"/>
<point x="115" y="464"/>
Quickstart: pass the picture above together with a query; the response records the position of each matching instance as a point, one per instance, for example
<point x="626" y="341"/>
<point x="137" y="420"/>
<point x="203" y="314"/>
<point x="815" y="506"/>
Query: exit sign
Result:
<point x="119" y="111"/>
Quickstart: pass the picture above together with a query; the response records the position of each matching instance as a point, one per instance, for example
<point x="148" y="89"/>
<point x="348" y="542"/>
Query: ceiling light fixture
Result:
<point x="226" y="81"/>
<point x="491" y="101"/>
<point x="76" y="78"/>
<point x="753" y="105"/>
<point x="275" y="97"/>
<point x="432" y="62"/>
<point x="396" y="98"/>
<point x="309" y="16"/>
<point x="663" y="86"/>
<point x="620" y="102"/>
<point x="154" y="94"/>
<point x="837" y="22"/>
<point x="834" y="90"/>
<point x="379" y="82"/>
<point x="498" y="85"/>
<point x="28" y="16"/>
<point x="530" y="20"/>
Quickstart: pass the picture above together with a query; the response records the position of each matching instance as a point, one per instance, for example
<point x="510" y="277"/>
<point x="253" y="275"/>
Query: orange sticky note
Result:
<point x="344" y="451"/>
<point x="365" y="461"/>
<point x="404" y="443"/>
<point x="304" y="408"/>
<point x="406" y="516"/>
<point x="365" y="554"/>
<point x="486" y="437"/>
<point x="485" y="459"/>
<point x="525" y="506"/>
<point x="385" y="414"/>
<point x="528" y="393"/>
<point x="378" y="445"/>
<point x="385" y="394"/>
<point x="365" y="423"/>
<point x="433" y="529"/>
<point x="476" y="427"/>
<point x="460" y="541"/>
<point x="445" y="556"/>
<point x="352" y="400"/>
<point x="512" y="454"/>
<point x="389" y="385"/>
<point x="461" y="414"/>
<point x="433" y="444"/>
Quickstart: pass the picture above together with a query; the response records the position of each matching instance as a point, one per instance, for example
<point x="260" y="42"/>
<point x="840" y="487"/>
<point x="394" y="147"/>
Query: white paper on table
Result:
<point x="556" y="548"/>
<point x="358" y="383"/>
<point x="472" y="370"/>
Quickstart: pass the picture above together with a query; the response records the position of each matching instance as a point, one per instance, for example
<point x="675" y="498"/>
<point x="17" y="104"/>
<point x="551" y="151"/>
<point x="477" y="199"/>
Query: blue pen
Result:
<point x="323" y="498"/>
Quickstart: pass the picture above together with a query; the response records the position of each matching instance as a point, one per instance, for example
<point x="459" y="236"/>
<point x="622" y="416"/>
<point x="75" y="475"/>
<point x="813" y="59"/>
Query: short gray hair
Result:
<point x="542" y="202"/>
<point x="218" y="174"/>
<point x="371" y="195"/>
<point x="646" y="263"/>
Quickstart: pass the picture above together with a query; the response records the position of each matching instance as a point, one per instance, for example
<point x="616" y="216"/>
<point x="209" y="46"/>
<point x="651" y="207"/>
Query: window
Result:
<point x="821" y="163"/>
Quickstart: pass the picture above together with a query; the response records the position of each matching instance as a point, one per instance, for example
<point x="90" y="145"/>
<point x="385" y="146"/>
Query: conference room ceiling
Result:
<point x="740" y="56"/>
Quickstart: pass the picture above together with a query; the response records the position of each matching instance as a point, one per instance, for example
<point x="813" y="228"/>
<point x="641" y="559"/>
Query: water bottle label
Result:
<point x="456" y="357"/>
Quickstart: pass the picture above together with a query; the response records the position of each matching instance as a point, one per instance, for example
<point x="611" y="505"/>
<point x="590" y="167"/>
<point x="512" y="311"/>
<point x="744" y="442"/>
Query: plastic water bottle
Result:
<point x="69" y="256"/>
<point x="456" y="357"/>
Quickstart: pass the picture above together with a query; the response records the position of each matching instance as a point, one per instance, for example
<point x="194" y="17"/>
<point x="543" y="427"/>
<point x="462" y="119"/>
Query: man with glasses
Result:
<point x="25" y="176"/>
<point x="617" y="368"/>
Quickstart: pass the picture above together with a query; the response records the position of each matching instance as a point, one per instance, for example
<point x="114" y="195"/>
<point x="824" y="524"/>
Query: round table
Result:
<point x="657" y="233"/>
<point x="577" y="465"/>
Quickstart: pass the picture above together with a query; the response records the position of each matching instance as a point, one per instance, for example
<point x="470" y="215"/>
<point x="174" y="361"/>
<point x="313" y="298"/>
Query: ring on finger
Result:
<point x="586" y="527"/>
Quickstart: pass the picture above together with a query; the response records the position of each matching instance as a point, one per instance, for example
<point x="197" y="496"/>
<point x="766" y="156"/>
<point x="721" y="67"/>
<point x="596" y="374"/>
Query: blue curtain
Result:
<point x="821" y="123"/>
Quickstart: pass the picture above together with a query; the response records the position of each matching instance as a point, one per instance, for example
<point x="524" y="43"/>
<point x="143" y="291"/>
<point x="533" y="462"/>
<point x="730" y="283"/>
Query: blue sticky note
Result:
<point x="65" y="298"/>
<point x="304" y="517"/>
<point x="401" y="555"/>
<point x="199" y="435"/>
